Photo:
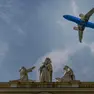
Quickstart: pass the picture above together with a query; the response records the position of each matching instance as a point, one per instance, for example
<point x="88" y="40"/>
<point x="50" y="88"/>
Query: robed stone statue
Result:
<point x="68" y="75"/>
<point x="46" y="71"/>
<point x="24" y="73"/>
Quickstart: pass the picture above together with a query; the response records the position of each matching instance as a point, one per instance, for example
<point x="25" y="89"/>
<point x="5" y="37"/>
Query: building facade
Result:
<point x="73" y="87"/>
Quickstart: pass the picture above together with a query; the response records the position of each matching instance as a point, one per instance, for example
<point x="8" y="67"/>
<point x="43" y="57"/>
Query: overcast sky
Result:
<point x="30" y="30"/>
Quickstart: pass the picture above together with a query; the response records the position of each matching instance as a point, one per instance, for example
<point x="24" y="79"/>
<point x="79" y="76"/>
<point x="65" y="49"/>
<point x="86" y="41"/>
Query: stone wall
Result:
<point x="74" y="87"/>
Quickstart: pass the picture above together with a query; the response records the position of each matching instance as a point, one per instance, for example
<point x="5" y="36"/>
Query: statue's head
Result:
<point x="66" y="68"/>
<point x="22" y="68"/>
<point x="48" y="60"/>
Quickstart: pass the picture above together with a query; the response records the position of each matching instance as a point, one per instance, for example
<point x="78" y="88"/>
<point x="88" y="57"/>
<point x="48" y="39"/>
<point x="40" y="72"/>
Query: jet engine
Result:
<point x="81" y="15"/>
<point x="75" y="28"/>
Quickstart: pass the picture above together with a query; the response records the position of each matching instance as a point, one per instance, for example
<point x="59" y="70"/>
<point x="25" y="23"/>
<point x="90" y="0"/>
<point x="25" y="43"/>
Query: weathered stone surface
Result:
<point x="68" y="75"/>
<point x="72" y="87"/>
<point x="24" y="73"/>
<point x="46" y="71"/>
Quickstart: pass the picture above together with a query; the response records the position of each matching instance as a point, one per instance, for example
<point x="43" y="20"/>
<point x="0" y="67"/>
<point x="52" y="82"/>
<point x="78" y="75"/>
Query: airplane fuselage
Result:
<point x="79" y="21"/>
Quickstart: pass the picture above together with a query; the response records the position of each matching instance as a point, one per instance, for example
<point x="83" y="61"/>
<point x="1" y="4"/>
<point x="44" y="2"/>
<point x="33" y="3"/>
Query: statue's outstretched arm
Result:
<point x="30" y="69"/>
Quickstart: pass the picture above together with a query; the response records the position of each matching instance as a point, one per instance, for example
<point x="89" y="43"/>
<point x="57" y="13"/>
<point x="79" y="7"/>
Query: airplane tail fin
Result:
<point x="75" y="28"/>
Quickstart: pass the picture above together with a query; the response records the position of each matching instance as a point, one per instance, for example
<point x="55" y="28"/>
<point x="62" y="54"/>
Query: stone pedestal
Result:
<point x="73" y="87"/>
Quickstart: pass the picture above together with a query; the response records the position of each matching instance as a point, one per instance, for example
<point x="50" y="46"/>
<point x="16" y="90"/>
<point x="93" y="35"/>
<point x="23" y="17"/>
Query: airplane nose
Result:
<point x="65" y="16"/>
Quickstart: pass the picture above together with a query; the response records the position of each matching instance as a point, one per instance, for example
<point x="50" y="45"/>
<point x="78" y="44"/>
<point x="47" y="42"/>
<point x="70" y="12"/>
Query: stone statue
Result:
<point x="68" y="75"/>
<point x="46" y="71"/>
<point x="24" y="73"/>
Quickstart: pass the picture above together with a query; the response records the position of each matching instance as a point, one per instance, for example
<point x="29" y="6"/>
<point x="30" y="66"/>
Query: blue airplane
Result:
<point x="81" y="22"/>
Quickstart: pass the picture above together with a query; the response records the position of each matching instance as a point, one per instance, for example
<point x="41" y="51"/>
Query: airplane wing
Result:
<point x="80" y="32"/>
<point x="80" y="35"/>
<point x="87" y="15"/>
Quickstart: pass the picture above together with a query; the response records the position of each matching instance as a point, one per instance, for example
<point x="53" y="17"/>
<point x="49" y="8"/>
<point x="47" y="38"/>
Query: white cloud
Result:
<point x="5" y="17"/>
<point x="9" y="22"/>
<point x="3" y="50"/>
<point x="86" y="70"/>
<point x="92" y="47"/>
<point x="63" y="23"/>
<point x="74" y="7"/>
<point x="60" y="57"/>
<point x="19" y="29"/>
